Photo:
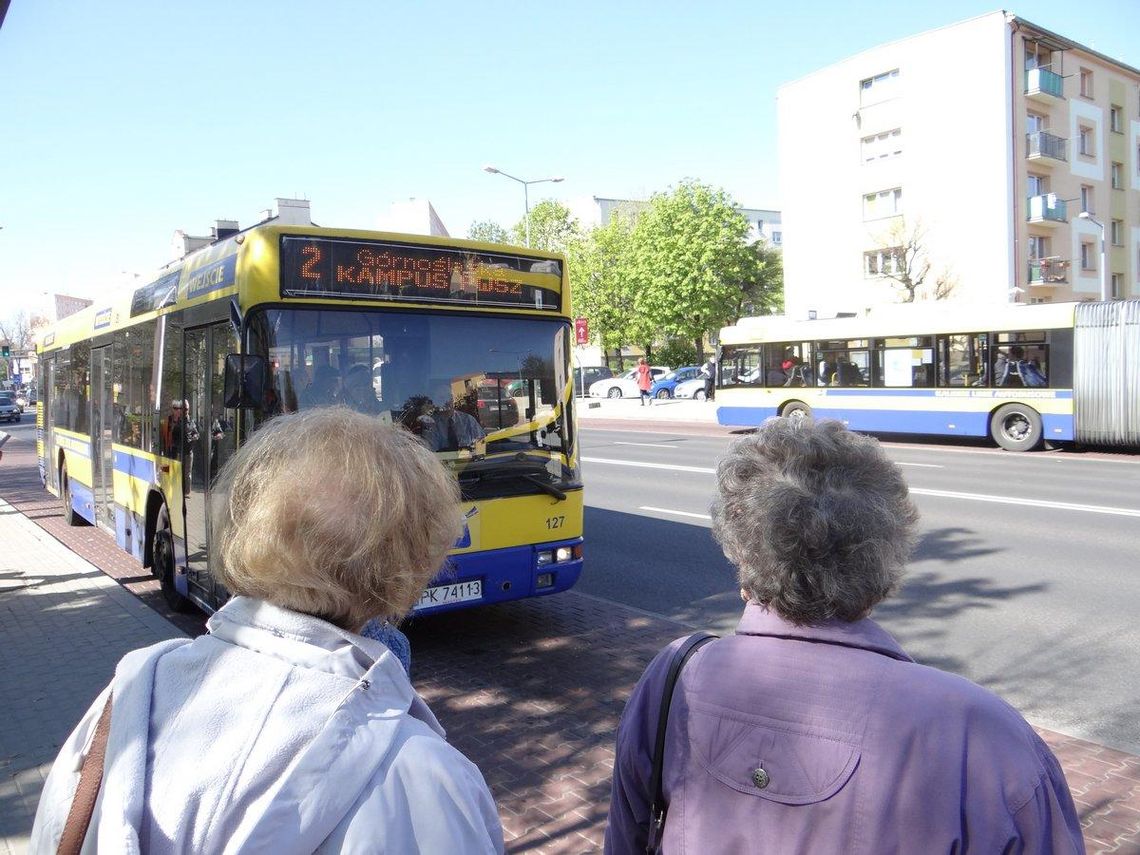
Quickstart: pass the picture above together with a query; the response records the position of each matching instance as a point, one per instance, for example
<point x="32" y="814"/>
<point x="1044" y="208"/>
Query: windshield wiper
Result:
<point x="545" y="486"/>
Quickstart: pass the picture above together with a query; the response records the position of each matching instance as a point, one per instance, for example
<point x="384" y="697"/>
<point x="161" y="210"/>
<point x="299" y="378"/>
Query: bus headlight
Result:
<point x="545" y="557"/>
<point x="544" y="580"/>
<point x="562" y="553"/>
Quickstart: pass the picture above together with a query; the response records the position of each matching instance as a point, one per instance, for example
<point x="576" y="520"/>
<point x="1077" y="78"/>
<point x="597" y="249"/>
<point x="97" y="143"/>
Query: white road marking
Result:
<point x="671" y="467"/>
<point x="918" y="491"/>
<point x="1026" y="502"/>
<point x="649" y="444"/>
<point x="675" y="513"/>
<point x="923" y="465"/>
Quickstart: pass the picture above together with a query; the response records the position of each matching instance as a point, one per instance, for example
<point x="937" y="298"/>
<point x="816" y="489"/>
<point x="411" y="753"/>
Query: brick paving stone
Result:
<point x="530" y="691"/>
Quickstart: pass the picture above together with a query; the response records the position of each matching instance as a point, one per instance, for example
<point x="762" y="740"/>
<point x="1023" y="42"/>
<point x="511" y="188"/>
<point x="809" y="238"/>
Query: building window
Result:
<point x="1086" y="83"/>
<point x="1038" y="185"/>
<point x="1117" y="176"/>
<point x="885" y="203"/>
<point x="777" y="238"/>
<point x="1087" y="199"/>
<point x="1117" y="286"/>
<point x="882" y="146"/>
<point x="1037" y="56"/>
<point x="1087" y="256"/>
<point x="1087" y="141"/>
<point x="878" y="88"/>
<point x="1038" y="247"/>
<point x="1116" y="119"/>
<point x="1034" y="300"/>
<point x="1035" y="123"/>
<point x="1117" y="232"/>
<point x="882" y="262"/>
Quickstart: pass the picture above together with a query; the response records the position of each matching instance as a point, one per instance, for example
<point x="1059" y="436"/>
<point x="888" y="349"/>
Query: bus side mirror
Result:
<point x="246" y="377"/>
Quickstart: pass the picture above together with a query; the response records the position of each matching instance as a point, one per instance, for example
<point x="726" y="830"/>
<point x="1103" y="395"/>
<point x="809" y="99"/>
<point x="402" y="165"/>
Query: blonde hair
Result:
<point x="332" y="513"/>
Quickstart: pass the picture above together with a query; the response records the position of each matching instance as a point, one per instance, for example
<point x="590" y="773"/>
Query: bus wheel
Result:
<point x="1016" y="427"/>
<point x="164" y="563"/>
<point x="69" y="514"/>
<point x="796" y="410"/>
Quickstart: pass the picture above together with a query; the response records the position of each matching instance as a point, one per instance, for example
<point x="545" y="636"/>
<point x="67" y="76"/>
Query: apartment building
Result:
<point x="763" y="223"/>
<point x="982" y="158"/>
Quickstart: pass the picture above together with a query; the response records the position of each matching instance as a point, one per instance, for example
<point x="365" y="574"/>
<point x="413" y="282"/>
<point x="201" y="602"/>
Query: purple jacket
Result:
<point x="862" y="751"/>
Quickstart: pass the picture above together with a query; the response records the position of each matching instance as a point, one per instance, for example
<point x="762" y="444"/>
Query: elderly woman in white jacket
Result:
<point x="283" y="729"/>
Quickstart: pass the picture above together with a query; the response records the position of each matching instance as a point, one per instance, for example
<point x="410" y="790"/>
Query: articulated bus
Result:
<point x="466" y="344"/>
<point x="1022" y="375"/>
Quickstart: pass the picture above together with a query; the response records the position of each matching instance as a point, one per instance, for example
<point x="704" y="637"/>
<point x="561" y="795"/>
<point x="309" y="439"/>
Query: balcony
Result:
<point x="1045" y="149"/>
<point x="1044" y="86"/>
<point x="1049" y="271"/>
<point x="1046" y="210"/>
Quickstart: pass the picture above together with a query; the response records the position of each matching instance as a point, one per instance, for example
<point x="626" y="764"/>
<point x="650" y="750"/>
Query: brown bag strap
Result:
<point x="90" y="779"/>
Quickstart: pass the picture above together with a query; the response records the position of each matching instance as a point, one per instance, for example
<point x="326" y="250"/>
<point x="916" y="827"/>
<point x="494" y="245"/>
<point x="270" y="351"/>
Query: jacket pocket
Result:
<point x="777" y="761"/>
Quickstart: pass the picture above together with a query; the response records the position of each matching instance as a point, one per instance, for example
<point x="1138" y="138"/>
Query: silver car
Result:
<point x="9" y="411"/>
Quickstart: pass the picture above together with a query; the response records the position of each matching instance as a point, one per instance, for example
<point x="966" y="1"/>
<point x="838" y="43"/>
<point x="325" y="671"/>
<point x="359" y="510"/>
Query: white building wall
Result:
<point x="951" y="101"/>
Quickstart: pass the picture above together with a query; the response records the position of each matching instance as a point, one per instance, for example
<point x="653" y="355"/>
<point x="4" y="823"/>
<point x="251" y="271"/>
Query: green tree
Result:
<point x="552" y="227"/>
<point x="488" y="231"/>
<point x="600" y="283"/>
<point x="690" y="260"/>
<point x="761" y="283"/>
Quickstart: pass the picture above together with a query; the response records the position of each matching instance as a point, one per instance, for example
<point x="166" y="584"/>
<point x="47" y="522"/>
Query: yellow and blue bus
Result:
<point x="1022" y="375"/>
<point x="466" y="344"/>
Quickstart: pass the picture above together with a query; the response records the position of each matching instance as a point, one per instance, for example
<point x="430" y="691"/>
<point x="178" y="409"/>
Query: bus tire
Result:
<point x="796" y="410"/>
<point x="70" y="516"/>
<point x="164" y="567"/>
<point x="1016" y="427"/>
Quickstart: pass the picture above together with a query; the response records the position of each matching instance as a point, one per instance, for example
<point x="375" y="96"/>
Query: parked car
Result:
<point x="693" y="389"/>
<point x="588" y="375"/>
<point x="9" y="412"/>
<point x="497" y="409"/>
<point x="664" y="387"/>
<point x="624" y="386"/>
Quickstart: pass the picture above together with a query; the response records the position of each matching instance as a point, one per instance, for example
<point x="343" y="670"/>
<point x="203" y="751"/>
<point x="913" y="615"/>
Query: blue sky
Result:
<point x="125" y="120"/>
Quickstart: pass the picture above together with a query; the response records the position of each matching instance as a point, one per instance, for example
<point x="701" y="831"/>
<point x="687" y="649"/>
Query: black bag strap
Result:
<point x="657" y="806"/>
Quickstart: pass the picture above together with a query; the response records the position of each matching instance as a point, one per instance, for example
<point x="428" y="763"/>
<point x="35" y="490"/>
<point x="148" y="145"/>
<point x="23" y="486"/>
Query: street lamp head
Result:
<point x="491" y="169"/>
<point x="1084" y="215"/>
<point x="556" y="180"/>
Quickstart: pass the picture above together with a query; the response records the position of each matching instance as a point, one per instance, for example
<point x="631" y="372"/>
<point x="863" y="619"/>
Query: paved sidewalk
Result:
<point x="63" y="626"/>
<point x="530" y="691"/>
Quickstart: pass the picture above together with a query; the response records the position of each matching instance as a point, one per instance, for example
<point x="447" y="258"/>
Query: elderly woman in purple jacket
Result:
<point x="810" y="730"/>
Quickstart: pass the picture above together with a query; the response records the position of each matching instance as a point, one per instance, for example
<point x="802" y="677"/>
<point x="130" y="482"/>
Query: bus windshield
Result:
<point x="486" y="393"/>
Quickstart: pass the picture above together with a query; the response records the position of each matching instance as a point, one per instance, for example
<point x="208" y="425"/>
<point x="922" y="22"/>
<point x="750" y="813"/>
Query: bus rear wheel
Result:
<point x="164" y="566"/>
<point x="796" y="410"/>
<point x="1016" y="427"/>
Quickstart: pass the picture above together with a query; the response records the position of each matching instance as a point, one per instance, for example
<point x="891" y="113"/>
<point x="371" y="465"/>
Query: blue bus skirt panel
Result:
<point x="82" y="500"/>
<point x="931" y="422"/>
<point x="506" y="574"/>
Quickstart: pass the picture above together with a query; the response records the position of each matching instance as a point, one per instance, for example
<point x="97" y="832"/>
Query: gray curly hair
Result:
<point x="816" y="519"/>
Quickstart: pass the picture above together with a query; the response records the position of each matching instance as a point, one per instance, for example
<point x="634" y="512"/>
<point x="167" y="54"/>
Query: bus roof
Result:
<point x="905" y="319"/>
<point x="215" y="272"/>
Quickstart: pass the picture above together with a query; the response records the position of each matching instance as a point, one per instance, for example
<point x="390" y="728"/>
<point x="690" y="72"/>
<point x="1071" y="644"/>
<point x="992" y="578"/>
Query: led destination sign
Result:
<point x="382" y="270"/>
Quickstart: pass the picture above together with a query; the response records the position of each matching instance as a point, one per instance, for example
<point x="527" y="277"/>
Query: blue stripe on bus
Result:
<point x="82" y="500"/>
<point x="507" y="574"/>
<point x="946" y="392"/>
<point x="138" y="467"/>
<point x="935" y="422"/>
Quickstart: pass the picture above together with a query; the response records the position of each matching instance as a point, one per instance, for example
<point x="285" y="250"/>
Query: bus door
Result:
<point x="47" y="401"/>
<point x="102" y="457"/>
<point x="205" y="354"/>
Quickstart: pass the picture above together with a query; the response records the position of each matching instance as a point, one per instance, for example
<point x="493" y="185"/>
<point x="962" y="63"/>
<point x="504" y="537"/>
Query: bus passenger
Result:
<point x="359" y="393"/>
<point x="296" y="733"/>
<point x="810" y="729"/>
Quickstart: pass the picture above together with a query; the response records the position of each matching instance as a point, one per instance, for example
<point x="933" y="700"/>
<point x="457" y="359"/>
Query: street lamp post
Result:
<point x="1085" y="215"/>
<point x="526" y="192"/>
